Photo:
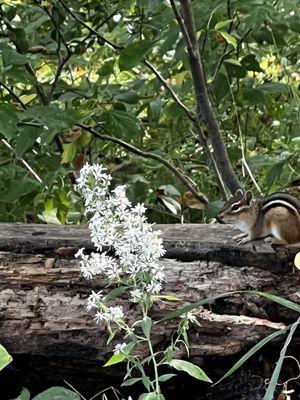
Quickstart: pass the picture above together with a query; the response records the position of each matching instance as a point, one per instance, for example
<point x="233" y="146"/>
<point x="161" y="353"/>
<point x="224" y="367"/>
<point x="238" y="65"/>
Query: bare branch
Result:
<point x="146" y="154"/>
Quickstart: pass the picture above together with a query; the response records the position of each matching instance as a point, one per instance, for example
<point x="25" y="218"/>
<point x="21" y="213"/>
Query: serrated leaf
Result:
<point x="121" y="123"/>
<point x="5" y="357"/>
<point x="191" y="369"/>
<point x="221" y="24"/>
<point x="229" y="38"/>
<point x="134" y="53"/>
<point x="57" y="393"/>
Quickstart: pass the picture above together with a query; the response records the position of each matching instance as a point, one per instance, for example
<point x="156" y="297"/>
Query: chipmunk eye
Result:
<point x="235" y="207"/>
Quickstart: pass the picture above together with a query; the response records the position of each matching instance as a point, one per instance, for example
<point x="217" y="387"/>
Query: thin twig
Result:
<point x="111" y="44"/>
<point x="244" y="161"/>
<point x="13" y="95"/>
<point x="190" y="115"/>
<point x="25" y="163"/>
<point x="146" y="154"/>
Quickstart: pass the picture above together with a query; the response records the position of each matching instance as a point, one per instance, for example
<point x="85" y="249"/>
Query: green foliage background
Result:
<point x="56" y="73"/>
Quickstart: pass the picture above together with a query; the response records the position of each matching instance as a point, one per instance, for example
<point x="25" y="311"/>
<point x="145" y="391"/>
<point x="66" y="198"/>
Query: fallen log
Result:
<point x="43" y="296"/>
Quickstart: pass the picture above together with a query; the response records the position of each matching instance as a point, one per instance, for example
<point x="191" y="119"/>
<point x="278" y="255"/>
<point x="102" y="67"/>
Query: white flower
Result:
<point x="190" y="317"/>
<point x="119" y="347"/>
<point x="154" y="288"/>
<point x="116" y="312"/>
<point x="136" y="295"/>
<point x="93" y="300"/>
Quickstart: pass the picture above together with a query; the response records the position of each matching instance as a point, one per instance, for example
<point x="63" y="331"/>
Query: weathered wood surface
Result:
<point x="42" y="298"/>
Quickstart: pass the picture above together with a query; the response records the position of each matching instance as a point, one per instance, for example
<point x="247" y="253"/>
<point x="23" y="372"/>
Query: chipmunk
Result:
<point x="277" y="215"/>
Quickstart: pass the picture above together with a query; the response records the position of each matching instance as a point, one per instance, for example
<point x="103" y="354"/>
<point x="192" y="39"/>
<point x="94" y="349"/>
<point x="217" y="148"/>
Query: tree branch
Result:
<point x="204" y="107"/>
<point x="174" y="96"/>
<point x="18" y="100"/>
<point x="146" y="154"/>
<point x="92" y="30"/>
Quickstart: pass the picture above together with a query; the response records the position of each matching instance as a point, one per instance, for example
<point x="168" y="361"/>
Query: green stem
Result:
<point x="157" y="387"/>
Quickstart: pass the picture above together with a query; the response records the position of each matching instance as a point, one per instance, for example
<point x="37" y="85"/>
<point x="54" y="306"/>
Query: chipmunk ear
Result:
<point x="239" y="193"/>
<point x="248" y="196"/>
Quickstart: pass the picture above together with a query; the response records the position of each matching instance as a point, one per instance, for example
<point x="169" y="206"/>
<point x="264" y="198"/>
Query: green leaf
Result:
<point x="229" y="38"/>
<point x="212" y="209"/>
<point x="155" y="110"/>
<point x="115" y="359"/>
<point x="57" y="393"/>
<point x="121" y="123"/>
<point x="254" y="96"/>
<point x="232" y="61"/>
<point x="26" y="138"/>
<point x="274" y="88"/>
<point x="24" y="395"/>
<point x="131" y="381"/>
<point x="8" y="122"/>
<point x="166" y="377"/>
<point x="221" y="24"/>
<point x="146" y="325"/>
<point x="5" y="357"/>
<point x="192" y="306"/>
<point x="12" y="57"/>
<point x="112" y="294"/>
<point x="134" y="53"/>
<point x="250" y="63"/>
<point x="171" y="204"/>
<point x="18" y="37"/>
<point x="275" y="376"/>
<point x="274" y="173"/>
<point x="169" y="297"/>
<point x="169" y="190"/>
<point x="252" y="351"/>
<point x="69" y="153"/>
<point x="277" y="299"/>
<point x="151" y="396"/>
<point x="130" y="97"/>
<point x="191" y="369"/>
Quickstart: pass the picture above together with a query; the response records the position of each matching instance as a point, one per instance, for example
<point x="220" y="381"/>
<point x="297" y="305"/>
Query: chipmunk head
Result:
<point x="236" y="207"/>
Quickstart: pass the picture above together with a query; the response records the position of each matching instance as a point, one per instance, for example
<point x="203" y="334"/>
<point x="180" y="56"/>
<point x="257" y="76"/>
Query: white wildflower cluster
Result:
<point x="120" y="228"/>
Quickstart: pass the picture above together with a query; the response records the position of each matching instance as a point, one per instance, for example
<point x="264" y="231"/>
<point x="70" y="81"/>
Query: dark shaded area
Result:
<point x="38" y="373"/>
